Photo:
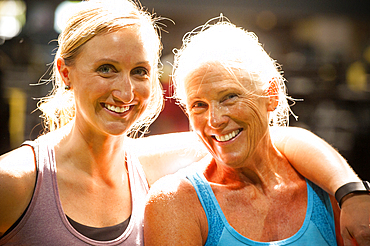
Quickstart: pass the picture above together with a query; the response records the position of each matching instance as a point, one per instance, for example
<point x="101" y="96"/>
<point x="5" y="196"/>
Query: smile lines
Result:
<point x="227" y="137"/>
<point x="116" y="109"/>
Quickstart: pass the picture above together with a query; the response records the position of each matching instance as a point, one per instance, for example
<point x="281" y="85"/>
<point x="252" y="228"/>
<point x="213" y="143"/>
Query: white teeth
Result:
<point x="117" y="109"/>
<point x="227" y="137"/>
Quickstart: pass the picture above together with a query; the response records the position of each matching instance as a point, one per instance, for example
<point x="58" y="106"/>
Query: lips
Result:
<point x="227" y="137"/>
<point x="116" y="109"/>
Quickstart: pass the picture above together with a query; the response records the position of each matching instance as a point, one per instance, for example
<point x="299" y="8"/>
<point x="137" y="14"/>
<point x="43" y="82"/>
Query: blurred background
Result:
<point x="323" y="46"/>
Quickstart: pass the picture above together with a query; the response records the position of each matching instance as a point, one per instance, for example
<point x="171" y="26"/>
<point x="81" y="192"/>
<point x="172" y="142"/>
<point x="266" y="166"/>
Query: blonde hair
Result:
<point x="89" y="19"/>
<point x="233" y="48"/>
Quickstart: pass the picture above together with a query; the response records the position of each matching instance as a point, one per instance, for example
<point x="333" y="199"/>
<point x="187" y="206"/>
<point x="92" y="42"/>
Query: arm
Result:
<point x="167" y="153"/>
<point x="318" y="161"/>
<point x="310" y="155"/>
<point x="173" y="214"/>
<point x="17" y="182"/>
<point x="313" y="158"/>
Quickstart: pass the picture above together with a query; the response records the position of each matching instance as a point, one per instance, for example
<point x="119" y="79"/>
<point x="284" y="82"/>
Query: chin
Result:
<point x="117" y="129"/>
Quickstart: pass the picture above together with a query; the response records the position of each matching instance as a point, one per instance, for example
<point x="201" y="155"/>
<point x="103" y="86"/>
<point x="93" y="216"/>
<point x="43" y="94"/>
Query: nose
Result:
<point x="217" y="117"/>
<point x="124" y="90"/>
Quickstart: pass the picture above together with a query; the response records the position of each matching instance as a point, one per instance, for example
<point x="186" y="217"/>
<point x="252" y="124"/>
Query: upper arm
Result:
<point x="17" y="182"/>
<point x="173" y="215"/>
<point x="167" y="153"/>
<point x="313" y="157"/>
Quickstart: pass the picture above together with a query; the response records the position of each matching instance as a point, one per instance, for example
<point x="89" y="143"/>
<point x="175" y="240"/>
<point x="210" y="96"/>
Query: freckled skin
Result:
<point x="253" y="183"/>
<point x="218" y="104"/>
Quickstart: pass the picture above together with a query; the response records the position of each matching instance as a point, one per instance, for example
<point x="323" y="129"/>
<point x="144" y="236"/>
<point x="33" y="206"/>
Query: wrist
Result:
<point x="348" y="190"/>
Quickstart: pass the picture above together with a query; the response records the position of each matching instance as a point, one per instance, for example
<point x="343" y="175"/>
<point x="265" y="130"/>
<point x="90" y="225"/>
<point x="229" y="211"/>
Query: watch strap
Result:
<point x="351" y="187"/>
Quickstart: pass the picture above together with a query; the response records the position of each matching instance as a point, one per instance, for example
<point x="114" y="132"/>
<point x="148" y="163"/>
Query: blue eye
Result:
<point x="199" y="105"/>
<point x="106" y="69"/>
<point x="229" y="97"/>
<point x="141" y="71"/>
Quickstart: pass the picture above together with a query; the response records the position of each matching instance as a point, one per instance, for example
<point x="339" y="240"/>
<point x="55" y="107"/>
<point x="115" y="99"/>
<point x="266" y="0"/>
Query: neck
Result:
<point x="265" y="167"/>
<point x="92" y="153"/>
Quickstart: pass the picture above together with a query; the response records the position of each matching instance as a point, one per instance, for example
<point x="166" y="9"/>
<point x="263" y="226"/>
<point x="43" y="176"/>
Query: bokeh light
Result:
<point x="60" y="18"/>
<point x="12" y="18"/>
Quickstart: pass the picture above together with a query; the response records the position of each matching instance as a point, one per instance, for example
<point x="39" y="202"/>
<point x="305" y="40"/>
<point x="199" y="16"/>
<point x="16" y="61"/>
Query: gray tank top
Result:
<point x="44" y="222"/>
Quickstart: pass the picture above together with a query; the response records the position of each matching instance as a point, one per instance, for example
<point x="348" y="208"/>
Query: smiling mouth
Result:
<point x="227" y="137"/>
<point x="116" y="109"/>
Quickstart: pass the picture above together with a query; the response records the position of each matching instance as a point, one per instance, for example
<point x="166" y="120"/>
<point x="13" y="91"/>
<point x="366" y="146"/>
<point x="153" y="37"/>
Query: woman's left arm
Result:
<point x="322" y="164"/>
<point x="313" y="158"/>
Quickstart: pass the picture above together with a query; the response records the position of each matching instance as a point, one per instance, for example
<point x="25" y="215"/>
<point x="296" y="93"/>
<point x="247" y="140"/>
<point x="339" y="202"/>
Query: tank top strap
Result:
<point x="138" y="182"/>
<point x="215" y="223"/>
<point x="35" y="147"/>
<point x="322" y="214"/>
<point x="136" y="173"/>
<point x="139" y="189"/>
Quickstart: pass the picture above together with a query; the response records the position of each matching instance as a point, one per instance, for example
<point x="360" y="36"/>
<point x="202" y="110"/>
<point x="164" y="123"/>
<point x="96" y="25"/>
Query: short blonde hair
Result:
<point x="89" y="19"/>
<point x="233" y="48"/>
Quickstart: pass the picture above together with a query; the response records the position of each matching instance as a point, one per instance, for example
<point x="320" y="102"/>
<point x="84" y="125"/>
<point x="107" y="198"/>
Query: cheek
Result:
<point x="257" y="122"/>
<point x="196" y="122"/>
<point x="192" y="121"/>
<point x="143" y="90"/>
<point x="253" y="111"/>
<point x="86" y="85"/>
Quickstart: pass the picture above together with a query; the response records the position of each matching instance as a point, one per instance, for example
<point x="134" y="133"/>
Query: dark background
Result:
<point x="323" y="46"/>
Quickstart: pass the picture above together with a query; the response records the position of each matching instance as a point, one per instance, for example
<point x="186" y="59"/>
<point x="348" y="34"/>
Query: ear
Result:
<point x="64" y="71"/>
<point x="273" y="94"/>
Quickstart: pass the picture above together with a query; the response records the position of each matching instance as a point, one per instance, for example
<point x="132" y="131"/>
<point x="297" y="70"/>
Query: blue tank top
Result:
<point x="318" y="227"/>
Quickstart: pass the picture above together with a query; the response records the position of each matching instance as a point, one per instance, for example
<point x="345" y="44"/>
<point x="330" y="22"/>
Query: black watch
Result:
<point x="351" y="187"/>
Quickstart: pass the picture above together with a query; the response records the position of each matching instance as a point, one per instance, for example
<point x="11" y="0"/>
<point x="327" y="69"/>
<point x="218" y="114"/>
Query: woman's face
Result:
<point x="111" y="81"/>
<point x="226" y="112"/>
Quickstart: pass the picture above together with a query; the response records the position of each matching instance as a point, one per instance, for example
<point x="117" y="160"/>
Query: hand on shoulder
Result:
<point x="17" y="182"/>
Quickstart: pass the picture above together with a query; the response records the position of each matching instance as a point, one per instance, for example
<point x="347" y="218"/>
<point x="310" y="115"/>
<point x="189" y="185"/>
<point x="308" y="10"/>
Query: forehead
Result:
<point x="127" y="43"/>
<point x="218" y="77"/>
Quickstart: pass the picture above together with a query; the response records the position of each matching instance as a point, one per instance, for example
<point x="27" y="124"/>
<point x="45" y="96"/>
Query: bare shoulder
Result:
<point x="24" y="153"/>
<point x="17" y="182"/>
<point x="171" y="188"/>
<point x="173" y="214"/>
<point x="17" y="167"/>
<point x="18" y="163"/>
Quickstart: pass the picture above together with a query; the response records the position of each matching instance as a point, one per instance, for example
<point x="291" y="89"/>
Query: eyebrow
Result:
<point x="106" y="60"/>
<point x="220" y="92"/>
<point x="115" y="61"/>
